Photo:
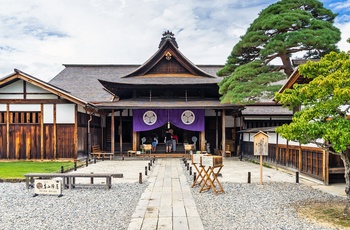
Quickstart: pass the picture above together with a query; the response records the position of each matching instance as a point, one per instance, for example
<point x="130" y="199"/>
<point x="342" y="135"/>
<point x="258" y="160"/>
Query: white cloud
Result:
<point x="38" y="36"/>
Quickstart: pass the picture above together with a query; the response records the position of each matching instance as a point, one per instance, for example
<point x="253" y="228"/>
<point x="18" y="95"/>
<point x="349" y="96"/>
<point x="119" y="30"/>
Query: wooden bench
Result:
<point x="107" y="176"/>
<point x="68" y="179"/>
<point x="131" y="153"/>
<point x="30" y="178"/>
<point x="97" y="152"/>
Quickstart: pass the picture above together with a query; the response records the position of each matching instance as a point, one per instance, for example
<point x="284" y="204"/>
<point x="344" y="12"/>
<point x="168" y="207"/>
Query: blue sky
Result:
<point x="38" y="36"/>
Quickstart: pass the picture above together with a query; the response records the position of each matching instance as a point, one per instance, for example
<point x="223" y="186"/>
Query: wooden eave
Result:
<point x="295" y="77"/>
<point x="167" y="104"/>
<point x="39" y="83"/>
<point x="118" y="85"/>
<point x="168" y="47"/>
<point x="124" y="90"/>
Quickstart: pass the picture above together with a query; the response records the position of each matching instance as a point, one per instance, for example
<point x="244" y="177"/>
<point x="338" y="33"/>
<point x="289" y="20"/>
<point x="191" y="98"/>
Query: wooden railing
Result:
<point x="307" y="160"/>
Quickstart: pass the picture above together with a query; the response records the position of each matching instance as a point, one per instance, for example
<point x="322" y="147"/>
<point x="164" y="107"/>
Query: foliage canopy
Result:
<point x="282" y="29"/>
<point x="325" y="107"/>
<point x="324" y="102"/>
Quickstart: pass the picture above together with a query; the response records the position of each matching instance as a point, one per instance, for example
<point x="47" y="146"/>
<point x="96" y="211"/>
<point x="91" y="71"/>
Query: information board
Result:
<point x="49" y="187"/>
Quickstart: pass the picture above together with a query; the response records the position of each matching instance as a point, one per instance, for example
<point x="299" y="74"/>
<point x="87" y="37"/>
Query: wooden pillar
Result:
<point x="300" y="162"/>
<point x="223" y="130"/>
<point x="216" y="132"/>
<point x="134" y="140"/>
<point x="103" y="124"/>
<point x="121" y="132"/>
<point x="112" y="131"/>
<point x="28" y="144"/>
<point x="287" y="155"/>
<point x="8" y="131"/>
<point x="202" y="141"/>
<point x="277" y="148"/>
<point x="325" y="167"/>
<point x="75" y="140"/>
<point x="54" y="135"/>
<point x="42" y="134"/>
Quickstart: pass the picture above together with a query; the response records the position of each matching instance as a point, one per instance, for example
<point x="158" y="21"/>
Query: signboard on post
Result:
<point x="261" y="148"/>
<point x="49" y="187"/>
<point x="261" y="144"/>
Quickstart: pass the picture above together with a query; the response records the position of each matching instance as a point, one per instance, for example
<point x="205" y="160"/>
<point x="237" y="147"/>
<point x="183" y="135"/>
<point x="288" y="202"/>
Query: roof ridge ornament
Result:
<point x="168" y="35"/>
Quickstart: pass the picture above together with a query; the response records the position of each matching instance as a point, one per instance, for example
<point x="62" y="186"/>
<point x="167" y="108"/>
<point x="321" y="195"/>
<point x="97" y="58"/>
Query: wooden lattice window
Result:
<point x="21" y="117"/>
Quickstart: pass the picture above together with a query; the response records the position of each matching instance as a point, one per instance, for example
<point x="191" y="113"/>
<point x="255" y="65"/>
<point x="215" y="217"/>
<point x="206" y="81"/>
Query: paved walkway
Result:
<point x="167" y="202"/>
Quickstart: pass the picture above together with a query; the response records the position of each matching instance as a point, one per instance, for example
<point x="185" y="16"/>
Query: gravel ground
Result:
<point x="79" y="208"/>
<point x="254" y="206"/>
<point x="242" y="206"/>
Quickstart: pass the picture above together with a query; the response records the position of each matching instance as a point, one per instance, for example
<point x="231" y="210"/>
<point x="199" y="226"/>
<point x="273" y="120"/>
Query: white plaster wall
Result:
<point x="65" y="113"/>
<point x="34" y="89"/>
<point x="247" y="138"/>
<point x="48" y="114"/>
<point x="3" y="107"/>
<point x="11" y="96"/>
<point x="16" y="87"/>
<point x="272" y="137"/>
<point x="310" y="145"/>
<point x="25" y="107"/>
<point x="41" y="96"/>
<point x="282" y="141"/>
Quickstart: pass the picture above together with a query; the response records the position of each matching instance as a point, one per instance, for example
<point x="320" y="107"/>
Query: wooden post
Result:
<point x="216" y="131"/>
<point x="120" y="132"/>
<point x="75" y="137"/>
<point x="140" y="178"/>
<point x="134" y="141"/>
<point x="325" y="168"/>
<point x="7" y="131"/>
<point x="42" y="134"/>
<point x="54" y="135"/>
<point x="28" y="144"/>
<point x="18" y="146"/>
<point x="261" y="169"/>
<point x="300" y="163"/>
<point x="277" y="149"/>
<point x="112" y="131"/>
<point x="202" y="141"/>
<point x="223" y="130"/>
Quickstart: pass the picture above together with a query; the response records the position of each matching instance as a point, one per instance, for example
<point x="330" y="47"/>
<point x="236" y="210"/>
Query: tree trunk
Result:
<point x="345" y="158"/>
<point x="287" y="64"/>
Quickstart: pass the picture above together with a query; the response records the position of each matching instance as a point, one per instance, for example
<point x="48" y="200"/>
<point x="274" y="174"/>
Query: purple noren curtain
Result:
<point x="148" y="119"/>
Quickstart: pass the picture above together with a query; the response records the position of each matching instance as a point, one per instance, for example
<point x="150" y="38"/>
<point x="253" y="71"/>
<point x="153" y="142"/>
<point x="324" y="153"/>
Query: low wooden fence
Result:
<point x="307" y="160"/>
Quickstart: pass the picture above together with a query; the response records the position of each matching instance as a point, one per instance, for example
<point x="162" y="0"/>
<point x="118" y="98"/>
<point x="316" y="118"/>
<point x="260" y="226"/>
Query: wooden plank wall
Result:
<point x="65" y="141"/>
<point x="23" y="140"/>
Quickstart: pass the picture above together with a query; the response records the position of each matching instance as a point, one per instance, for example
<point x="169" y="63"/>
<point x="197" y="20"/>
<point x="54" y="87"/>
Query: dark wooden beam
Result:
<point x="34" y="101"/>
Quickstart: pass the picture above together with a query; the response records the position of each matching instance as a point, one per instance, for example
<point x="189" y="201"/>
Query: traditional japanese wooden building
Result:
<point x="119" y="106"/>
<point x="115" y="106"/>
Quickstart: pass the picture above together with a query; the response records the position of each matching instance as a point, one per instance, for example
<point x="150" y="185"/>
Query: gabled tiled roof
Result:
<point x="167" y="58"/>
<point x="82" y="80"/>
<point x="61" y="92"/>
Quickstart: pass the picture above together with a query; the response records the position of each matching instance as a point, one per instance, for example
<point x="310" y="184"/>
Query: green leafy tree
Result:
<point x="282" y="29"/>
<point x="325" y="107"/>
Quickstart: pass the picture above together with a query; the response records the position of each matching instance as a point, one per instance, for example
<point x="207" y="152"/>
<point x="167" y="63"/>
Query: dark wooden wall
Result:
<point x="307" y="160"/>
<point x="25" y="141"/>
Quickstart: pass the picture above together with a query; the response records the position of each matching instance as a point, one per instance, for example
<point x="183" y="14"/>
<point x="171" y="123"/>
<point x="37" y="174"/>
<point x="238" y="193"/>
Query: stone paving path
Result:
<point x="167" y="202"/>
